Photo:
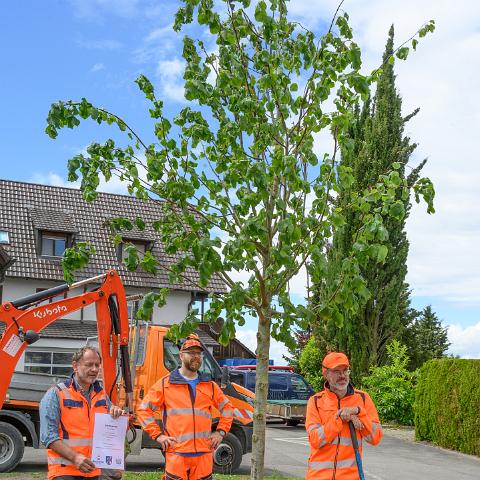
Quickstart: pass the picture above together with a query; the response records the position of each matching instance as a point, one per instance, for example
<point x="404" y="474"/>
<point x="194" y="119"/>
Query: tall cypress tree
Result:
<point x="377" y="141"/>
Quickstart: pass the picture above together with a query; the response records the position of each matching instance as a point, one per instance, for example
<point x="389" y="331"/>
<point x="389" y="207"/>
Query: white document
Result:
<point x="109" y="441"/>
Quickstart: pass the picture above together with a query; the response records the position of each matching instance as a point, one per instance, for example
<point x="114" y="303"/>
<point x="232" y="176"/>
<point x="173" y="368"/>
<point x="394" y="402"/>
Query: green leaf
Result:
<point x="397" y="210"/>
<point x="402" y="53"/>
<point x="75" y="258"/>
<point x="382" y="253"/>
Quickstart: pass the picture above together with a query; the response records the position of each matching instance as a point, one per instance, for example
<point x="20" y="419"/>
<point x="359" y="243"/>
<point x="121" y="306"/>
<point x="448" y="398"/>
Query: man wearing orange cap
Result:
<point x="183" y="401"/>
<point x="328" y="414"/>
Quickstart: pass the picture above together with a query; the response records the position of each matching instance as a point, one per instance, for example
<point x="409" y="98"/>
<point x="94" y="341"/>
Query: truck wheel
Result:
<point x="228" y="455"/>
<point x="11" y="447"/>
<point x="292" y="423"/>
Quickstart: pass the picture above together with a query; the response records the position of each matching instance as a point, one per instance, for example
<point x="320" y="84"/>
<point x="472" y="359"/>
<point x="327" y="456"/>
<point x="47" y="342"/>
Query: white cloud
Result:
<point x="277" y="349"/>
<point x="97" y="67"/>
<point x="465" y="340"/>
<point x="170" y="74"/>
<point x="51" y="178"/>
<point x="160" y="33"/>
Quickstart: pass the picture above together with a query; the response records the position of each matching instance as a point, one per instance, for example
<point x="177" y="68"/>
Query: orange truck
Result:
<point x="134" y="357"/>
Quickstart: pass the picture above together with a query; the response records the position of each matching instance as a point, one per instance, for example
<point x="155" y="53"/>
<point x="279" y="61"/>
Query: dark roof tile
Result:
<point x="25" y="207"/>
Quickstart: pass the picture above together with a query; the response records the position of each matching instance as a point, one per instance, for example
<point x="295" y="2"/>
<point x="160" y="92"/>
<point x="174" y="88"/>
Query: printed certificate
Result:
<point x="108" y="450"/>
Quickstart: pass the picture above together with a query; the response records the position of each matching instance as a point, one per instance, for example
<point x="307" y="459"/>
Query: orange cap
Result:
<point x="335" y="359"/>
<point x="191" y="341"/>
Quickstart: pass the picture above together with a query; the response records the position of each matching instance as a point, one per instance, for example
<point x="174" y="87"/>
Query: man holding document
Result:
<point x="184" y="399"/>
<point x="67" y="422"/>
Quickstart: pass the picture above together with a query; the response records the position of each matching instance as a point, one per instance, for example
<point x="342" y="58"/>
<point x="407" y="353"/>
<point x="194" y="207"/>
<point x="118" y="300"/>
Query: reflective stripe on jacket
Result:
<point x="331" y="448"/>
<point x="169" y="408"/>
<point x="76" y="426"/>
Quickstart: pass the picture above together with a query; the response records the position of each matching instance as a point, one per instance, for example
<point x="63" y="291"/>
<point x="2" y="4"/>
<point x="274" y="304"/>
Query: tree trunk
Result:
<point x="261" y="393"/>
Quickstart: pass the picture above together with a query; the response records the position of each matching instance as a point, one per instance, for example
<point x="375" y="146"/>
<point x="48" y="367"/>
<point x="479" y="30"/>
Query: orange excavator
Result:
<point x="24" y="323"/>
<point x="134" y="357"/>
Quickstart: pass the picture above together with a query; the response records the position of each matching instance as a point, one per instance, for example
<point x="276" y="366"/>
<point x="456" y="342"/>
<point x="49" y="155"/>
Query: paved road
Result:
<point x="396" y="458"/>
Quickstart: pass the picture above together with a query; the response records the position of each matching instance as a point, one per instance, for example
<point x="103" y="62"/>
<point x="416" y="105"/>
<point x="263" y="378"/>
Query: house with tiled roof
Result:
<point x="38" y="222"/>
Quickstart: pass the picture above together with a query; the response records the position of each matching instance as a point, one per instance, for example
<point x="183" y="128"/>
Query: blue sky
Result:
<point x="70" y="49"/>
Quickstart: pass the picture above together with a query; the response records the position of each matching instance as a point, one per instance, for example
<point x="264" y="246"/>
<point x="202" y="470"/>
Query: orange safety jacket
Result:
<point x="331" y="448"/>
<point x="181" y="416"/>
<point x="76" y="426"/>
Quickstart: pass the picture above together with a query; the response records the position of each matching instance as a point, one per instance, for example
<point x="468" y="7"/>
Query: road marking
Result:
<point x="296" y="440"/>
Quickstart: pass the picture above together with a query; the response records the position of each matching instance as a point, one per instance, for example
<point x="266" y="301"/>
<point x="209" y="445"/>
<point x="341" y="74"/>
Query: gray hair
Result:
<point x="78" y="355"/>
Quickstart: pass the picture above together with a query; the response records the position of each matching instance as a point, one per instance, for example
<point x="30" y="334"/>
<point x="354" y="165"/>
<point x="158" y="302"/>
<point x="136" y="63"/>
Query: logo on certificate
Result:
<point x="108" y="460"/>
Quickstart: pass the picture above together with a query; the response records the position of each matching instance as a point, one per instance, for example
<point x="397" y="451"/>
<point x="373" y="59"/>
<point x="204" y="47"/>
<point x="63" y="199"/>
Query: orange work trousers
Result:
<point x="178" y="467"/>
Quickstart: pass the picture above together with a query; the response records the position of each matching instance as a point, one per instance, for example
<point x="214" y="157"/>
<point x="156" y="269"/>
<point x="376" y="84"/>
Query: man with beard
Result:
<point x="328" y="415"/>
<point x="67" y="414"/>
<point x="183" y="401"/>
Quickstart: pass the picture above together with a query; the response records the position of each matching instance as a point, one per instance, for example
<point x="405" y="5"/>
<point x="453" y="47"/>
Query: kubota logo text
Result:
<point x="48" y="312"/>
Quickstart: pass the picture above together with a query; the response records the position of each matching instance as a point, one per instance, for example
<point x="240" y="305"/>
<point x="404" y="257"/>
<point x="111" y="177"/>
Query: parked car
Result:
<point x="288" y="392"/>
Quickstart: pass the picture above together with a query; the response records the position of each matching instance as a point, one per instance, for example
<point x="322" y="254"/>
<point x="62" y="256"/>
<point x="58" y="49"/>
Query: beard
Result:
<point x="193" y="365"/>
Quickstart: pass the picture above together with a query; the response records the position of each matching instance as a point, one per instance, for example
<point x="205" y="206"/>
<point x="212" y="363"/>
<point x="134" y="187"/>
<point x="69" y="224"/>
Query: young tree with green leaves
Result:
<point x="239" y="185"/>
<point x="392" y="386"/>
<point x="376" y="142"/>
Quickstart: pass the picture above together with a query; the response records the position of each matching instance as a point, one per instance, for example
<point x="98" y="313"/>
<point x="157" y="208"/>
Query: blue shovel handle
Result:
<point x="358" y="458"/>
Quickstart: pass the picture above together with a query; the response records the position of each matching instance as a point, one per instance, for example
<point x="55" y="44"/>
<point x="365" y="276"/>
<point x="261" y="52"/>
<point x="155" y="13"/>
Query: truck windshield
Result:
<point x="171" y="359"/>
<point x="299" y="384"/>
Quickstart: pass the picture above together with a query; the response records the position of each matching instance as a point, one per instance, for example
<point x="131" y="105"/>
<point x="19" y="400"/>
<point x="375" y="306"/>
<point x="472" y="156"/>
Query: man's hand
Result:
<point x="115" y="411"/>
<point x="356" y="422"/>
<point x="346" y="413"/>
<point x="166" y="441"/>
<point x="84" y="464"/>
<point x="215" y="440"/>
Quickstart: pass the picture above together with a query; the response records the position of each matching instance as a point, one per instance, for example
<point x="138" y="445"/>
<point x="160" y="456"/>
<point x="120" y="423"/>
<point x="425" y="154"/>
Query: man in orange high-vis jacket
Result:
<point x="328" y="412"/>
<point x="184" y="401"/>
<point x="67" y="416"/>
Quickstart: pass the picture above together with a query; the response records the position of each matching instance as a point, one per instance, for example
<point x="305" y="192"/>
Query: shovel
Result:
<point x="358" y="458"/>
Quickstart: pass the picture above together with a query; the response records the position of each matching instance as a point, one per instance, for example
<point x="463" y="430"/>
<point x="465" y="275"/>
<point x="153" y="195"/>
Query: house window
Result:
<point x="53" y="244"/>
<point x="52" y="363"/>
<point x="4" y="236"/>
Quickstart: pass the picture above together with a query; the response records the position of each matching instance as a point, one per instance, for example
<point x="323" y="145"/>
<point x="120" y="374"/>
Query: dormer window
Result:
<point x="4" y="237"/>
<point x="142" y="246"/>
<point x="53" y="244"/>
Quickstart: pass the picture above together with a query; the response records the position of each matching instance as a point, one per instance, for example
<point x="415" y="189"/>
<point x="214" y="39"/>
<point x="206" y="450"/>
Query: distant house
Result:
<point x="37" y="223"/>
<point x="235" y="349"/>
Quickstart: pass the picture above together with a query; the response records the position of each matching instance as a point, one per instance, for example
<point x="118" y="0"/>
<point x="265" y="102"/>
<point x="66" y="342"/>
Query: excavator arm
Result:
<point x="24" y="320"/>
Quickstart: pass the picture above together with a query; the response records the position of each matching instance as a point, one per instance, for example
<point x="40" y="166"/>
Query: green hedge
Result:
<point x="447" y="404"/>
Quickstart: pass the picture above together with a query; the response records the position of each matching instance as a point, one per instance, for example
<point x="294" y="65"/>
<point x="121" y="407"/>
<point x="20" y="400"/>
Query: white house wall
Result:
<point x="175" y="309"/>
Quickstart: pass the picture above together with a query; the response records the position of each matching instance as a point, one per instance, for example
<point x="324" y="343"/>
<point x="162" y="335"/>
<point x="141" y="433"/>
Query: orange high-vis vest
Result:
<point x="331" y="449"/>
<point x="170" y="409"/>
<point x="76" y="426"/>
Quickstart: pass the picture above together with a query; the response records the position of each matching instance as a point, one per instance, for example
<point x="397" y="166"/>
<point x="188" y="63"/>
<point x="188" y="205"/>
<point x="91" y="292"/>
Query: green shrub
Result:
<point x="447" y="404"/>
<point x="311" y="364"/>
<point x="392" y="386"/>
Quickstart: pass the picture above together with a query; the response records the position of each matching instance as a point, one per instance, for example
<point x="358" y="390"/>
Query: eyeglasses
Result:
<point x="194" y="354"/>
<point x="345" y="372"/>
